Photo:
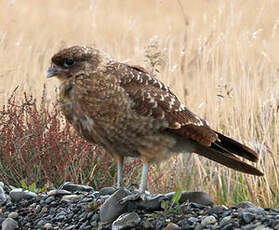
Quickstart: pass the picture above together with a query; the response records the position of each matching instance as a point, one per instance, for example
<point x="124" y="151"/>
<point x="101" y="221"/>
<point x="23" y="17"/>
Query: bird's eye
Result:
<point x="68" y="62"/>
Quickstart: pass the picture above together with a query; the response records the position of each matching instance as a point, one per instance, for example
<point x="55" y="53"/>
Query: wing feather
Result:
<point x="153" y="98"/>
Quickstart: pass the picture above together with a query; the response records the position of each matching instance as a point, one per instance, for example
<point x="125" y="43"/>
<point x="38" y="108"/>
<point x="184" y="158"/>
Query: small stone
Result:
<point x="262" y="227"/>
<point x="58" y="192"/>
<point x="245" y="204"/>
<point x="112" y="207"/>
<point x="256" y="210"/>
<point x="19" y="194"/>
<point x="38" y="208"/>
<point x="208" y="220"/>
<point x="107" y="191"/>
<point x="71" y="197"/>
<point x="192" y="219"/>
<point x="171" y="226"/>
<point x="247" y="217"/>
<point x="48" y="225"/>
<point x="41" y="223"/>
<point x="216" y="209"/>
<point x="3" y="196"/>
<point x="44" y="209"/>
<point x="76" y="187"/>
<point x="71" y="227"/>
<point x="126" y="220"/>
<point x="28" y="224"/>
<point x="9" y="224"/>
<point x="13" y="215"/>
<point x="226" y="220"/>
<point x="49" y="199"/>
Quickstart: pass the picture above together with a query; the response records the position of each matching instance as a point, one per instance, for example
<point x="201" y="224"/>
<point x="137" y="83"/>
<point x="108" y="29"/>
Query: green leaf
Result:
<point x="33" y="188"/>
<point x="23" y="185"/>
<point x="177" y="195"/>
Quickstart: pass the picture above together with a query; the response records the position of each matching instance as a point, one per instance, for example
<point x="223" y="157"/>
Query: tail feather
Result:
<point x="229" y="145"/>
<point x="228" y="160"/>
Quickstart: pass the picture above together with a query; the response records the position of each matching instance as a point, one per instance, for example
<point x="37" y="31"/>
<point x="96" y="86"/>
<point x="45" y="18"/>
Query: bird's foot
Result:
<point x="136" y="195"/>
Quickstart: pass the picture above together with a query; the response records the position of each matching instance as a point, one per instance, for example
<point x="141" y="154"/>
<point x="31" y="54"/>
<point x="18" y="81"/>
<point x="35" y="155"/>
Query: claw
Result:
<point x="135" y="196"/>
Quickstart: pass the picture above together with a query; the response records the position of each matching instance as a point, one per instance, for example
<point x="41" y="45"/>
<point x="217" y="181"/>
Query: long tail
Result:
<point x="224" y="152"/>
<point x="231" y="146"/>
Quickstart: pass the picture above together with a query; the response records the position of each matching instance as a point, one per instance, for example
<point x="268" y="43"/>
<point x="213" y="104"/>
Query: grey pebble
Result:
<point x="49" y="199"/>
<point x="126" y="220"/>
<point x="71" y="197"/>
<point x="107" y="191"/>
<point x="171" y="226"/>
<point x="13" y="215"/>
<point x="48" y="225"/>
<point x="247" y="217"/>
<point x="58" y="192"/>
<point x="208" y="220"/>
<point x="41" y="223"/>
<point x="3" y="196"/>
<point x="226" y="220"/>
<point x="76" y="187"/>
<point x="9" y="224"/>
<point x="19" y="194"/>
<point x="193" y="219"/>
<point x="245" y="204"/>
<point x="112" y="207"/>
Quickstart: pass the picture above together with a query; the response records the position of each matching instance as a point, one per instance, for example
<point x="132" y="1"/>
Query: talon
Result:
<point x="133" y="197"/>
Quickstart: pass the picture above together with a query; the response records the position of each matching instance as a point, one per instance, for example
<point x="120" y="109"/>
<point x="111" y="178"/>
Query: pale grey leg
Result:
<point x="141" y="193"/>
<point x="119" y="171"/>
<point x="143" y="179"/>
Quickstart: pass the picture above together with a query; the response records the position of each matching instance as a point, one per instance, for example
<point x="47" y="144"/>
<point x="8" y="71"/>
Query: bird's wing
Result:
<point x="153" y="98"/>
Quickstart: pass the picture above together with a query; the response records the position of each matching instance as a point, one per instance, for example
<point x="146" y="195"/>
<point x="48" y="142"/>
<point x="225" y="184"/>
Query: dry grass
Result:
<point x="226" y="74"/>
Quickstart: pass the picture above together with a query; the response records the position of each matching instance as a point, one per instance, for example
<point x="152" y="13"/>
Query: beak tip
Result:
<point x="50" y="72"/>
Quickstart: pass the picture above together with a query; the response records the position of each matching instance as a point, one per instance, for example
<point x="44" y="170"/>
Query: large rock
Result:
<point x="195" y="197"/>
<point x="19" y="194"/>
<point x="126" y="220"/>
<point x="113" y="207"/>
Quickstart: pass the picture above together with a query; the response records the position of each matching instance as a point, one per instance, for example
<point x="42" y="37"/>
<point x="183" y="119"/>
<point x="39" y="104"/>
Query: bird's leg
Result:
<point x="119" y="171"/>
<point x="119" y="159"/>
<point x="143" y="179"/>
<point x="141" y="193"/>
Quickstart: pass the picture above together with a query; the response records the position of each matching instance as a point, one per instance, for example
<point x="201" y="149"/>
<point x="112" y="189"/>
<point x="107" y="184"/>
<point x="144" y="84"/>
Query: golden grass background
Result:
<point x="220" y="57"/>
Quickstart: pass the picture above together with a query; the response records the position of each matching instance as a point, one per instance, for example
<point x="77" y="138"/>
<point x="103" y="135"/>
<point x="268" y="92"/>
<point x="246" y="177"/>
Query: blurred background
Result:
<point x="220" y="57"/>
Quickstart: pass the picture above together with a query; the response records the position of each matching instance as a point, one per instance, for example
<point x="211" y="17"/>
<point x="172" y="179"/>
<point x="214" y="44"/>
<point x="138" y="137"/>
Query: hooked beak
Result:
<point x="53" y="70"/>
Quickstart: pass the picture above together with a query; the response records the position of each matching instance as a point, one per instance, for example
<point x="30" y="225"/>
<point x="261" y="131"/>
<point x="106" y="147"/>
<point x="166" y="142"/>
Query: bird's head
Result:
<point x="72" y="61"/>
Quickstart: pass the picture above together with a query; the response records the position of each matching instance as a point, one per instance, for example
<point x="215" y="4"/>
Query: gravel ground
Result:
<point x="75" y="206"/>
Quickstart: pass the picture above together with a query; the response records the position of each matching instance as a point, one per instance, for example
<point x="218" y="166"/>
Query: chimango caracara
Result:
<point x="129" y="112"/>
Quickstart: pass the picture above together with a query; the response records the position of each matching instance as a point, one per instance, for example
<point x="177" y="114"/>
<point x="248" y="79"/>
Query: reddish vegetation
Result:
<point x="37" y="145"/>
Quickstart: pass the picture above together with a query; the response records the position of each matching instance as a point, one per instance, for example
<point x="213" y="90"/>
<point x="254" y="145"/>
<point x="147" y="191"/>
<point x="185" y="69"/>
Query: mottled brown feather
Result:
<point x="129" y="112"/>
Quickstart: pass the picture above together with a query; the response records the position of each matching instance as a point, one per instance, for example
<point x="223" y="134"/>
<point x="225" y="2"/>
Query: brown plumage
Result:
<point x="129" y="112"/>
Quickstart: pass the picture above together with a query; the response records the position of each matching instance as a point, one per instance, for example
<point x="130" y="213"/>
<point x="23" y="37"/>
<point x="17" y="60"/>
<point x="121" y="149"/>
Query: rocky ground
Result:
<point x="75" y="206"/>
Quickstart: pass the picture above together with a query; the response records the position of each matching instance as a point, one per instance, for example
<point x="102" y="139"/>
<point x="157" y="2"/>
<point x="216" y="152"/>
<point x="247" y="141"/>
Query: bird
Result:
<point x="130" y="113"/>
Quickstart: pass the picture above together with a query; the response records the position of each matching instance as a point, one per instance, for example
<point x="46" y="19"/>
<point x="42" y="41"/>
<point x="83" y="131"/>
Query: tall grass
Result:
<point x="219" y="57"/>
